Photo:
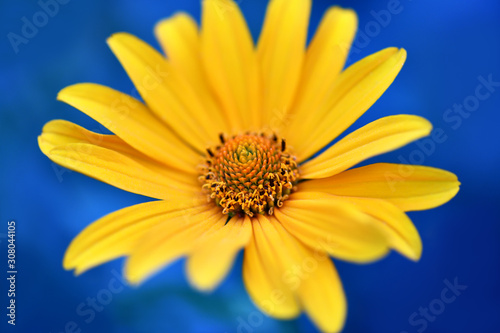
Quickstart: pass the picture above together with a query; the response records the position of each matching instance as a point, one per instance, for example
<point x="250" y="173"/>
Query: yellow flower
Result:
<point x="224" y="140"/>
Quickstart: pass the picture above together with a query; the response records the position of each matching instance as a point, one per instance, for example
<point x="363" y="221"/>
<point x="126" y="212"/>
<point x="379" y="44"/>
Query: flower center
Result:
<point x="249" y="173"/>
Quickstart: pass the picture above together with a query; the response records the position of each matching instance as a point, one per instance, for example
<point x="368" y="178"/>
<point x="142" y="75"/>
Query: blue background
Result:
<point x="450" y="44"/>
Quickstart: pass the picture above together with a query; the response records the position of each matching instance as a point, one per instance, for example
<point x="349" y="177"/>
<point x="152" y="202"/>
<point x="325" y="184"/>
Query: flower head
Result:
<point x="227" y="140"/>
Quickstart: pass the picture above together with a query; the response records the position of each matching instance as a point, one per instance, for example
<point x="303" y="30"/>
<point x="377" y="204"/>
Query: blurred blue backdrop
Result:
<point x="450" y="44"/>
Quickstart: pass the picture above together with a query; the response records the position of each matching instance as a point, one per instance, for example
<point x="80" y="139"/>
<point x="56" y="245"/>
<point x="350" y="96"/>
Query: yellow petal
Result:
<point x="263" y="272"/>
<point x="378" y="137"/>
<point x="214" y="254"/>
<point x="117" y="234"/>
<point x="62" y="134"/>
<point x="169" y="240"/>
<point x="321" y="293"/>
<point x="281" y="52"/>
<point x="328" y="225"/>
<point x="355" y="91"/>
<point x="325" y="58"/>
<point x="402" y="234"/>
<point x="110" y="167"/>
<point x="409" y="187"/>
<point x="180" y="39"/>
<point x="165" y="91"/>
<point x="308" y="274"/>
<point x="130" y="120"/>
<point x="230" y="63"/>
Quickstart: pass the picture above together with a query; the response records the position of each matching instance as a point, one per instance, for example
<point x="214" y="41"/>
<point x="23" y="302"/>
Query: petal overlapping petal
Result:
<point x="355" y="91"/>
<point x="378" y="137"/>
<point x="325" y="58"/>
<point x="73" y="147"/>
<point x="409" y="187"/>
<point x="171" y="239"/>
<point x="166" y="92"/>
<point x="130" y="120"/>
<point x="230" y="63"/>
<point x="292" y="276"/>
<point x="117" y="234"/>
<point x="179" y="38"/>
<point x="402" y="234"/>
<point x="281" y="54"/>
<point x="332" y="226"/>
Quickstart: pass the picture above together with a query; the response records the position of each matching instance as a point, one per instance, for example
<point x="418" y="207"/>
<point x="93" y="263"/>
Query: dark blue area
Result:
<point x="450" y="45"/>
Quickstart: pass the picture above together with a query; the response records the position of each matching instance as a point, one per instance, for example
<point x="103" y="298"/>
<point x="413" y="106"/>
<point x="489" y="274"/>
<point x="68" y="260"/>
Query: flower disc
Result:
<point x="250" y="173"/>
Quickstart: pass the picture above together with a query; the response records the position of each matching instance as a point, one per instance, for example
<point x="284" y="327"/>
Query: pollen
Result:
<point x="249" y="174"/>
